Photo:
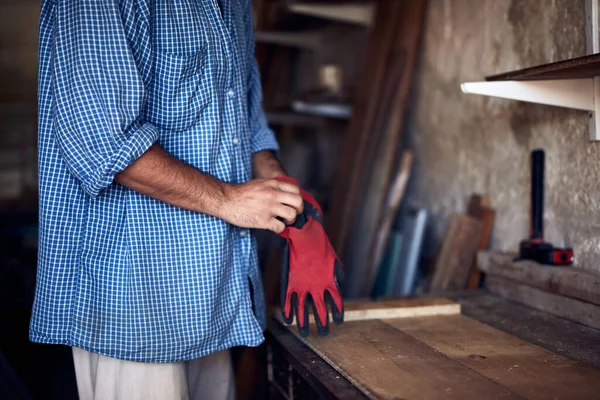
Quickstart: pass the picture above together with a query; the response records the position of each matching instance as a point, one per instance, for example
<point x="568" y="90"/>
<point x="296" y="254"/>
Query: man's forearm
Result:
<point x="159" y="175"/>
<point x="260" y="204"/>
<point x="266" y="166"/>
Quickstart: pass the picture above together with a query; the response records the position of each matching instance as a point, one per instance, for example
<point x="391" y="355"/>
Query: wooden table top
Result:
<point x="494" y="349"/>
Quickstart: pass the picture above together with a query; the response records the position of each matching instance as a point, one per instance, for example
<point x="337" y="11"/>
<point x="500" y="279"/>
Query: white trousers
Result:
<point x="104" y="378"/>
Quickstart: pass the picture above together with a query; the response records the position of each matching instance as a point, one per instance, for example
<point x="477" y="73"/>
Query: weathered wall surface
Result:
<point x="469" y="143"/>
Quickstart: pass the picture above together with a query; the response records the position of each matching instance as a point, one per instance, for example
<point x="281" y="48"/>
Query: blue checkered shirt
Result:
<point x="119" y="273"/>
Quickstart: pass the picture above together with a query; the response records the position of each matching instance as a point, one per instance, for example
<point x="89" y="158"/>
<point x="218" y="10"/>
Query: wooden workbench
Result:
<point x="494" y="349"/>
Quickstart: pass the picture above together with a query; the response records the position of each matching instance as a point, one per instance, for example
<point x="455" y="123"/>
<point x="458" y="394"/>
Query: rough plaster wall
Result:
<point x="469" y="143"/>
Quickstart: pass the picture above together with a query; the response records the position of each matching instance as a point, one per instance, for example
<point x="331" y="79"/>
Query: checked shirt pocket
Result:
<point x="179" y="91"/>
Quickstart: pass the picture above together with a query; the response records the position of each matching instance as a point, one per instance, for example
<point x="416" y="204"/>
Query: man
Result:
<point x="150" y="131"/>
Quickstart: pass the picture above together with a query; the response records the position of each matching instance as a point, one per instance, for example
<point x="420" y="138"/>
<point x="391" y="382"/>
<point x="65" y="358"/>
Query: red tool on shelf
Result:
<point x="535" y="248"/>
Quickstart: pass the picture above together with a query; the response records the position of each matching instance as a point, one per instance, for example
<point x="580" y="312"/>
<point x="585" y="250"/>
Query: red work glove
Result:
<point x="309" y="270"/>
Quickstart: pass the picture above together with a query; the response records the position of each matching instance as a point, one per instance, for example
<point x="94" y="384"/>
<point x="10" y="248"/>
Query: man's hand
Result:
<point x="260" y="202"/>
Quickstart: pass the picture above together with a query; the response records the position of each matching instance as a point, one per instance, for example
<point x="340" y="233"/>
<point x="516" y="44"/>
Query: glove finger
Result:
<point x="302" y="314"/>
<point x="321" y="315"/>
<point x="336" y="292"/>
<point x="285" y="294"/>
<point x="287" y="311"/>
<point x="337" y="306"/>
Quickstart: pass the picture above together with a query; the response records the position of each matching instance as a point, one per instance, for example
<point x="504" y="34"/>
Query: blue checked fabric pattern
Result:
<point x="119" y="273"/>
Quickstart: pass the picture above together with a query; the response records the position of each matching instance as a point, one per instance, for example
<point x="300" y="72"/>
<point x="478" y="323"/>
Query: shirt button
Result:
<point x="230" y="93"/>
<point x="235" y="141"/>
<point x="242" y="233"/>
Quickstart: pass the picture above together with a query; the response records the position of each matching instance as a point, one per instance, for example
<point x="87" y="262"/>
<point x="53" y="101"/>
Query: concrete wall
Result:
<point x="468" y="143"/>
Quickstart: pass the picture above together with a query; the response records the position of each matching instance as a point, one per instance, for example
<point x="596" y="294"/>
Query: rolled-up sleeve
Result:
<point x="97" y="93"/>
<point x="263" y="137"/>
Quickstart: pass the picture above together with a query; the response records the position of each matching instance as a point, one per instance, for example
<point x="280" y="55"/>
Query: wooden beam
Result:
<point x="565" y="307"/>
<point x="568" y="281"/>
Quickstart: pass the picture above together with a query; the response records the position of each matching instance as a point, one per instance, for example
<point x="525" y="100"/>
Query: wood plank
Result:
<point x="385" y="363"/>
<point x="355" y="310"/>
<point x="457" y="254"/>
<point x="565" y="307"/>
<point x="569" y="281"/>
<point x="399" y="308"/>
<point x="575" y="68"/>
<point x="522" y="367"/>
<point x="477" y="205"/>
<point x="480" y="208"/>
<point x="402" y="302"/>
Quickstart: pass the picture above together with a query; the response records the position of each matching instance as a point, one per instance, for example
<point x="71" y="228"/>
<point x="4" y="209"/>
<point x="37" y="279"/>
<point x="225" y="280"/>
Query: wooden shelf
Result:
<point x="571" y="93"/>
<point x="353" y="13"/>
<point x="573" y="83"/>
<point x="575" y="68"/>
<point x="333" y="110"/>
<point x="290" y="117"/>
<point x="304" y="39"/>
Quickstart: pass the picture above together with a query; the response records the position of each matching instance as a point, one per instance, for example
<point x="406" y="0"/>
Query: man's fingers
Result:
<point x="288" y="214"/>
<point x="288" y="194"/>
<point x="292" y="200"/>
<point x="287" y="187"/>
<point x="276" y="226"/>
